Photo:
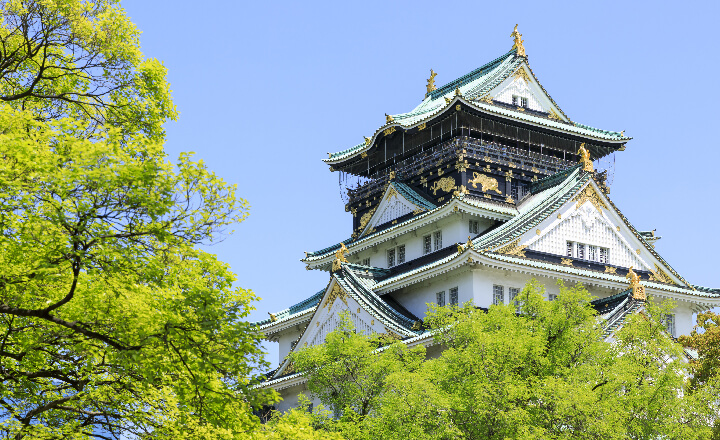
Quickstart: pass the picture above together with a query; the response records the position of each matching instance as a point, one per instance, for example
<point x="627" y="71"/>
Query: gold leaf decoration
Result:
<point x="335" y="293"/>
<point x="513" y="248"/>
<point x="487" y="183"/>
<point x="446" y="184"/>
<point x="566" y="261"/>
<point x="588" y="194"/>
<point x="609" y="269"/>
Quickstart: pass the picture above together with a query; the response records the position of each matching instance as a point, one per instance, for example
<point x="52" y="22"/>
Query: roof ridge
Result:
<point x="468" y="77"/>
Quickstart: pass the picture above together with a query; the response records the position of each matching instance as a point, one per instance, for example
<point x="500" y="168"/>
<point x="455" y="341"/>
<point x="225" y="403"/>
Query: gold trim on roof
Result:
<point x="589" y="194"/>
<point x="513" y="248"/>
<point x="431" y="82"/>
<point x="518" y="42"/>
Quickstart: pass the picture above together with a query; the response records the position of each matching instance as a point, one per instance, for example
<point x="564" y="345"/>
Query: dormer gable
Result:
<point x="522" y="91"/>
<point x="398" y="200"/>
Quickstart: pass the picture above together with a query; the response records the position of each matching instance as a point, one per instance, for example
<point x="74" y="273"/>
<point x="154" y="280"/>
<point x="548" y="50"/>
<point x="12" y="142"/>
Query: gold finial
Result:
<point x="272" y="317"/>
<point x="431" y="82"/>
<point x="388" y="118"/>
<point x="367" y="140"/>
<point x="622" y="133"/>
<point x="585" y="158"/>
<point x="457" y="91"/>
<point x="638" y="290"/>
<point x="518" y="42"/>
<point x="339" y="257"/>
<point x="447" y="100"/>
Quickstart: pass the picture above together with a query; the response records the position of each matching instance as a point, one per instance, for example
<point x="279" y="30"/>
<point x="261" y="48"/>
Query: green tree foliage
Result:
<point x="705" y="339"/>
<point x="546" y="373"/>
<point x="112" y="323"/>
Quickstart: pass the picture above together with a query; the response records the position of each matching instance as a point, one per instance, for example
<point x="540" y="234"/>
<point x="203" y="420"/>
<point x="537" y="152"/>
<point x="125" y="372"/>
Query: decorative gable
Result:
<point x="393" y="205"/>
<point x="586" y="226"/>
<point x="522" y="90"/>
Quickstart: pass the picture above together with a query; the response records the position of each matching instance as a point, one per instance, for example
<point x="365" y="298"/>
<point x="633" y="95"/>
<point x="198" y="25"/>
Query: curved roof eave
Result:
<point x="616" y="137"/>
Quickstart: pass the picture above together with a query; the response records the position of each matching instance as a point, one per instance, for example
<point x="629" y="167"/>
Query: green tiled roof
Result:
<point x="474" y="86"/>
<point x="294" y="310"/>
<point x="478" y="203"/>
<point x="412" y="196"/>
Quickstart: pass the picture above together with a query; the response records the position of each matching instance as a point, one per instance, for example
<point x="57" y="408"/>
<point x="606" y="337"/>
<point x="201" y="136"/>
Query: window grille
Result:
<point x="580" y="251"/>
<point x="440" y="298"/>
<point x="604" y="253"/>
<point x="366" y="262"/>
<point x="474" y="227"/>
<point x="513" y="292"/>
<point x="427" y="244"/>
<point x="498" y="295"/>
<point x="552" y="297"/>
<point x="523" y="102"/>
<point x="514" y="189"/>
<point x="401" y="254"/>
<point x="454" y="296"/>
<point x="438" y="240"/>
<point x="593" y="253"/>
<point x="391" y="257"/>
<point x="569" y="252"/>
<point x="670" y="324"/>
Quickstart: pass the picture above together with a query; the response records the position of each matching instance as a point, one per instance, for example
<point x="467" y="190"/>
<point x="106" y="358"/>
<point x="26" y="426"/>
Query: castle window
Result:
<point x="569" y="252"/>
<point x="427" y="244"/>
<point x="401" y="254"/>
<point x="498" y="295"/>
<point x="454" y="296"/>
<point x="474" y="227"/>
<point x="514" y="292"/>
<point x="437" y="236"/>
<point x="670" y="324"/>
<point x="593" y="253"/>
<point x="580" y="251"/>
<point x="519" y="101"/>
<point x="604" y="254"/>
<point x="440" y="298"/>
<point x="391" y="257"/>
<point x="366" y="262"/>
<point x="552" y="297"/>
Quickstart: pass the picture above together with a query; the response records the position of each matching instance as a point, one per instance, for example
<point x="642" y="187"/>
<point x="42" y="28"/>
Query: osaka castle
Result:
<point x="486" y="184"/>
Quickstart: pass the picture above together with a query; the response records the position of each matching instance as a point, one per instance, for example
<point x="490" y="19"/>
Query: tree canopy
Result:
<point x="545" y="373"/>
<point x="113" y="323"/>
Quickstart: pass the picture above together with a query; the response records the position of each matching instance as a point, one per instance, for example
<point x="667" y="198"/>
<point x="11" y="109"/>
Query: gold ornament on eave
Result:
<point x="339" y="258"/>
<point x="638" y="290"/>
<point x="585" y="158"/>
<point x="431" y="82"/>
<point x="518" y="42"/>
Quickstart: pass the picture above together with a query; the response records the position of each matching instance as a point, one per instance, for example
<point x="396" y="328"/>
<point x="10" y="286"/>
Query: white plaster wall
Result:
<point x="416" y="298"/>
<point x="290" y="398"/>
<point x="284" y="340"/>
<point x="455" y="229"/>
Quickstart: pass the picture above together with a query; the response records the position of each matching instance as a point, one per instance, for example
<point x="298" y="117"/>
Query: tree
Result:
<point x="350" y="371"/>
<point x="705" y="339"/>
<point x="112" y="323"/>
<point x="544" y="373"/>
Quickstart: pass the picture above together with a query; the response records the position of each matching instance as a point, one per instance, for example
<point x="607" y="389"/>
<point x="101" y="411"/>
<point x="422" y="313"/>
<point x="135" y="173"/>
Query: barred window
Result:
<point x="569" y="252"/>
<point x="593" y="253"/>
<point x="474" y="227"/>
<point x="498" y="294"/>
<point x="366" y="262"/>
<point x="440" y="298"/>
<point x="513" y="292"/>
<point x="604" y="254"/>
<point x="552" y="297"/>
<point x="438" y="240"/>
<point x="454" y="296"/>
<point x="401" y="254"/>
<point x="427" y="244"/>
<point x="391" y="257"/>
<point x="580" y="251"/>
<point x="670" y="324"/>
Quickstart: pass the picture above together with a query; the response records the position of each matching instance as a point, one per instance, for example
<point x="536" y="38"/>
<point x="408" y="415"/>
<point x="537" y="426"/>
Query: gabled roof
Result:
<point x="398" y="200"/>
<point x="479" y="206"/>
<point x="357" y="282"/>
<point x="473" y="87"/>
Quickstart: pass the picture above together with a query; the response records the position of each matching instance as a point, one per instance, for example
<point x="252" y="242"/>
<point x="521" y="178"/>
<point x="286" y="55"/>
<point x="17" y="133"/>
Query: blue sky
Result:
<point x="266" y="89"/>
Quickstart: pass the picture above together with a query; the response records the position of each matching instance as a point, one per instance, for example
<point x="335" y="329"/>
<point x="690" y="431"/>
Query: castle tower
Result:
<point x="486" y="184"/>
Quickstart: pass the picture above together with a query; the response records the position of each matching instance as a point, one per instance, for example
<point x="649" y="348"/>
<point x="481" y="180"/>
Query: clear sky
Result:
<point x="266" y="89"/>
